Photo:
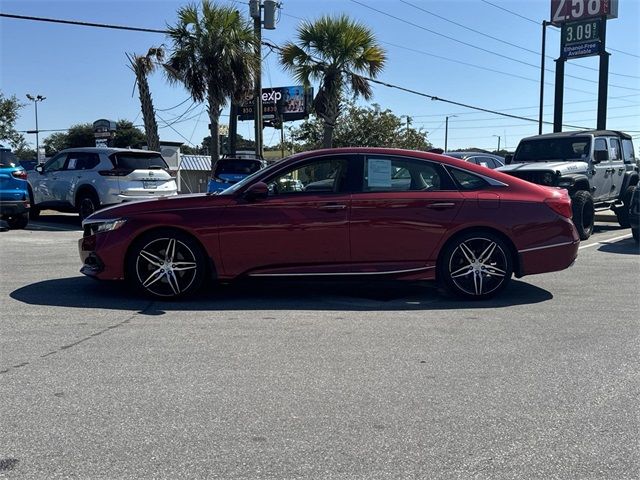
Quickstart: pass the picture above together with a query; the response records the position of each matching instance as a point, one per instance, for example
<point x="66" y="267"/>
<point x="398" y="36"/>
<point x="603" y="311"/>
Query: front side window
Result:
<point x="388" y="174"/>
<point x="56" y="163"/>
<point x="82" y="161"/>
<point x="319" y="176"/>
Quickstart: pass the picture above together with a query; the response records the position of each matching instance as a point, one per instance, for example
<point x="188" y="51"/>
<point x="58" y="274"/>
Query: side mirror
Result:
<point x="257" y="191"/>
<point x="39" y="169"/>
<point x="600" y="156"/>
<point x="508" y="158"/>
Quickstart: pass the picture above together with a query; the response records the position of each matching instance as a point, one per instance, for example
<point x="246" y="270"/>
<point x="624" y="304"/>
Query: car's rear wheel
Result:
<point x="87" y="204"/>
<point x="476" y="265"/>
<point x="622" y="212"/>
<point x="166" y="264"/>
<point x="18" y="221"/>
<point x="583" y="213"/>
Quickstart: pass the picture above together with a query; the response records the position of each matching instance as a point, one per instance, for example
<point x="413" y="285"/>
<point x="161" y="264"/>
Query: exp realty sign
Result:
<point x="290" y="103"/>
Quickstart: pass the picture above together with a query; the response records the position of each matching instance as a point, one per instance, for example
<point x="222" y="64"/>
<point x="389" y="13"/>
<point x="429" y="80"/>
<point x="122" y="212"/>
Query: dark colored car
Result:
<point x="479" y="158"/>
<point x="370" y="212"/>
<point x="14" y="193"/>
<point x="634" y="213"/>
<point x="231" y="170"/>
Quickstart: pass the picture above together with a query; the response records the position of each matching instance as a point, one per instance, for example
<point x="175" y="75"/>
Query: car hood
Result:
<point x="164" y="204"/>
<point x="552" y="166"/>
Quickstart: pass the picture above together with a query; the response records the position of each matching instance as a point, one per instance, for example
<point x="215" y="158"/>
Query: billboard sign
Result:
<point x="290" y="103"/>
<point x="563" y="11"/>
<point x="581" y="39"/>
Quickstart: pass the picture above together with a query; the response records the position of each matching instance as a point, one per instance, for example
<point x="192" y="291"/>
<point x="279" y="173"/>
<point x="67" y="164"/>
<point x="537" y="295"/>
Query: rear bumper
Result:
<point x="14" y="208"/>
<point x="548" y="258"/>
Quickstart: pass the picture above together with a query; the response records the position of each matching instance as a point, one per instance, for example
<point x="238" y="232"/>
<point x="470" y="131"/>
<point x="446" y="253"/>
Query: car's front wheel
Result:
<point x="476" y="265"/>
<point x="166" y="264"/>
<point x="583" y="213"/>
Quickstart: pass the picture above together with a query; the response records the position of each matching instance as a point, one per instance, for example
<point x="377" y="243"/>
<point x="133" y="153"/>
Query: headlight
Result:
<point x="548" y="179"/>
<point x="100" y="226"/>
<point x="566" y="182"/>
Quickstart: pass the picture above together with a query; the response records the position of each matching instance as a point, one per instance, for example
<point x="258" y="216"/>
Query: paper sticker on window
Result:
<point x="379" y="173"/>
<point x="72" y="163"/>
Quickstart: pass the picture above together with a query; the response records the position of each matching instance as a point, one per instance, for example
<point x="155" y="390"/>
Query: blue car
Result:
<point x="14" y="194"/>
<point x="231" y="170"/>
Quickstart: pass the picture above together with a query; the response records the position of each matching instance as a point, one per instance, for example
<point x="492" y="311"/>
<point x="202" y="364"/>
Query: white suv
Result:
<point x="85" y="179"/>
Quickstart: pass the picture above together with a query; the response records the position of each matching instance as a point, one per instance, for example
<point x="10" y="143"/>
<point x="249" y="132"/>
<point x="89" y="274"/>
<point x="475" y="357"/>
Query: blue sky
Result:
<point x="84" y="75"/>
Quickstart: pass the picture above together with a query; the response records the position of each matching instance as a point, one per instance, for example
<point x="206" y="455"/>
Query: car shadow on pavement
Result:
<point x="56" y="223"/>
<point x="250" y="294"/>
<point x="626" y="246"/>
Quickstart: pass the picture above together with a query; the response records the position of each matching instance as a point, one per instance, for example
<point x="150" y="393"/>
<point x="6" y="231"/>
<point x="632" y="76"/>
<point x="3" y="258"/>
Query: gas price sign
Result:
<point x="563" y="11"/>
<point x="581" y="39"/>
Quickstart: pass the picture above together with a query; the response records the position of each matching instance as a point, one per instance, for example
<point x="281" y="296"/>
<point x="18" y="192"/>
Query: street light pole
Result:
<point x="498" y="151"/>
<point x="35" y="99"/>
<point x="544" y="38"/>
<point x="446" y="130"/>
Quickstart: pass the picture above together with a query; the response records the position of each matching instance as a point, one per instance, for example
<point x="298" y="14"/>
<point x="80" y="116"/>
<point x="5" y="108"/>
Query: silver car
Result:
<point x="84" y="179"/>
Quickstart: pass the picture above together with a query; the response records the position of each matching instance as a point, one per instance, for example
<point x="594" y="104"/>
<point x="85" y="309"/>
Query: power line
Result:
<point x="83" y="24"/>
<point x="540" y="23"/>
<point x="537" y="67"/>
<point x="175" y="106"/>
<point x="479" y="32"/>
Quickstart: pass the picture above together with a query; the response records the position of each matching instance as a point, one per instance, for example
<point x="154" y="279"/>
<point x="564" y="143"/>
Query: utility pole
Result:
<point x="446" y="130"/>
<point x="255" y="10"/>
<point x="35" y="99"/>
<point x="498" y="142"/>
<point x="544" y="38"/>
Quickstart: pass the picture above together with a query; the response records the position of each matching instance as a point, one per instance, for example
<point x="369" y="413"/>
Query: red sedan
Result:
<point x="341" y="212"/>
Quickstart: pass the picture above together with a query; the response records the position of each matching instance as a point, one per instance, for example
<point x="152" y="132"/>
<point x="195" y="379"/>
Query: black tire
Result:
<point x="475" y="265"/>
<point x="18" y="222"/>
<point x="622" y="212"/>
<point x="87" y="204"/>
<point x="34" y="213"/>
<point x="583" y="213"/>
<point x="166" y="264"/>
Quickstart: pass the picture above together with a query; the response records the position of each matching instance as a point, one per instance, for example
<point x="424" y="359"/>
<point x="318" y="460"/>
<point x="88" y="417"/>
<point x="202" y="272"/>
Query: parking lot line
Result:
<point x="606" y="240"/>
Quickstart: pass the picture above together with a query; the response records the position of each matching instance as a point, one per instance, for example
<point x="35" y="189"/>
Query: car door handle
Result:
<point x="332" y="207"/>
<point x="441" y="205"/>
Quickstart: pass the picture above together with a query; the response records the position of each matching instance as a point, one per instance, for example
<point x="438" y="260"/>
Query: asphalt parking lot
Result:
<point x="317" y="380"/>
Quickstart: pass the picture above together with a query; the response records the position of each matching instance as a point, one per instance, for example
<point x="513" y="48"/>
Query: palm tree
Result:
<point x="214" y="57"/>
<point x="337" y="52"/>
<point x="142" y="66"/>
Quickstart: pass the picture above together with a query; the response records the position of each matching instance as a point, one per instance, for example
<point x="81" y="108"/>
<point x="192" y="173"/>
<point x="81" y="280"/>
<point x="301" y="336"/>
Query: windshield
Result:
<point x="237" y="167"/>
<point x="136" y="161"/>
<point x="547" y="149"/>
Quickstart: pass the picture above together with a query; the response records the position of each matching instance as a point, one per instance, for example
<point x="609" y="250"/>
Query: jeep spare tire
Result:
<point x="583" y="213"/>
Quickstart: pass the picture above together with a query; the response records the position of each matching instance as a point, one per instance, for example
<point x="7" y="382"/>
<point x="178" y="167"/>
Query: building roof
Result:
<point x="200" y="163"/>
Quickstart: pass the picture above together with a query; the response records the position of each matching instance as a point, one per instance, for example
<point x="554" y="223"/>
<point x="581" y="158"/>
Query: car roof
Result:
<point x="579" y="133"/>
<point x="108" y="151"/>
<point x="472" y="154"/>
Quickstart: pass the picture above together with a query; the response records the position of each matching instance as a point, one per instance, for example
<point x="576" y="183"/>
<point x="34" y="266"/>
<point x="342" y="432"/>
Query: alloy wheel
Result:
<point x="478" y="266"/>
<point x="166" y="267"/>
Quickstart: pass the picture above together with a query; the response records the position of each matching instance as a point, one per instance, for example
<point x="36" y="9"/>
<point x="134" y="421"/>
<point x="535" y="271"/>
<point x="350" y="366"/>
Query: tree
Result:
<point x="80" y="135"/>
<point x="9" y="108"/>
<point x="213" y="56"/>
<point x="337" y="52"/>
<point x="55" y="142"/>
<point x="142" y="66"/>
<point x="128" y="136"/>
<point x="363" y="127"/>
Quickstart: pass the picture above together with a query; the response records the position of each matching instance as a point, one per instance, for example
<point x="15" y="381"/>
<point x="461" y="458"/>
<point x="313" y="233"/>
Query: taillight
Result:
<point x="21" y="174"/>
<point x="116" y="172"/>
<point x="560" y="205"/>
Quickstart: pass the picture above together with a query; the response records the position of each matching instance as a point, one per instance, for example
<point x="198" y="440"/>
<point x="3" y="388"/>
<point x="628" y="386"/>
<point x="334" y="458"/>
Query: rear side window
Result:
<point x="616" y="154"/>
<point x="391" y="174"/>
<point x="8" y="159"/>
<point x="467" y="180"/>
<point x="629" y="154"/>
<point x="138" y="161"/>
